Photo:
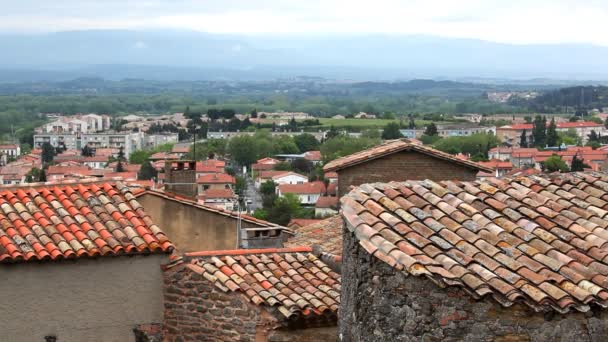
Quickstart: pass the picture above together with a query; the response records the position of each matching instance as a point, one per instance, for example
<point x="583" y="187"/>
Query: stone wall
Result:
<point x="195" y="310"/>
<point x="402" y="166"/>
<point x="381" y="304"/>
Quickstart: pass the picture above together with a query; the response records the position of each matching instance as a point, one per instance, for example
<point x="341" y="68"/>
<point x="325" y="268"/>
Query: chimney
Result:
<point x="180" y="177"/>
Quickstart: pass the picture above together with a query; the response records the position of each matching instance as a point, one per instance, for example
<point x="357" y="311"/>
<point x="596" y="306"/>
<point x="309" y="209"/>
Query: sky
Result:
<point x="505" y="21"/>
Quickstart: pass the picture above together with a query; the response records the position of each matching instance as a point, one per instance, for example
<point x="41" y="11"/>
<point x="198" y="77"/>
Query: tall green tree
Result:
<point x="306" y="142"/>
<point x="412" y="122"/>
<point x="48" y="152"/>
<point x="391" y="131"/>
<point x="554" y="164"/>
<point x="254" y="113"/>
<point x="242" y="149"/>
<point x="539" y="131"/>
<point x="552" y="133"/>
<point x="431" y="130"/>
<point x="147" y="171"/>
<point x="284" y="209"/>
<point x="268" y="192"/>
<point x="578" y="164"/>
<point x="523" y="139"/>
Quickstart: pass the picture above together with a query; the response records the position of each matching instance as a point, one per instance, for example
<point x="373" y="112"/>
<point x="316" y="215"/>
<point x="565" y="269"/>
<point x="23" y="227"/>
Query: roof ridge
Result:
<point x="298" y="249"/>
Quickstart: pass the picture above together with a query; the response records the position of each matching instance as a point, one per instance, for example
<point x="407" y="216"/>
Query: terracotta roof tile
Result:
<point x="538" y="240"/>
<point x="326" y="234"/>
<point x="216" y="178"/>
<point x="291" y="281"/>
<point x="76" y="220"/>
<point x="394" y="146"/>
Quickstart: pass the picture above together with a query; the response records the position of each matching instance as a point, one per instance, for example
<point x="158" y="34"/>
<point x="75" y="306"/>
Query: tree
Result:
<point x="119" y="166"/>
<point x="254" y="113"/>
<point x="593" y="136"/>
<point x="139" y="157"/>
<point x="344" y="145"/>
<point x="284" y="209"/>
<point x="240" y="186"/>
<point x="539" y="131"/>
<point x="147" y="171"/>
<point x="302" y="165"/>
<point x="552" y="133"/>
<point x="554" y="164"/>
<point x="306" y="142"/>
<point x="35" y="175"/>
<point x="523" y="139"/>
<point x="431" y="129"/>
<point x="391" y="131"/>
<point x="268" y="192"/>
<point x="332" y="133"/>
<point x="578" y="164"/>
<point x="412" y="122"/>
<point x="121" y="154"/>
<point x="48" y="152"/>
<point x="243" y="149"/>
<point x="86" y="151"/>
<point x="606" y="123"/>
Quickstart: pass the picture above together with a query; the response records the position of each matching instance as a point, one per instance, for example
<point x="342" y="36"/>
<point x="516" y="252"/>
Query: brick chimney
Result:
<point x="180" y="177"/>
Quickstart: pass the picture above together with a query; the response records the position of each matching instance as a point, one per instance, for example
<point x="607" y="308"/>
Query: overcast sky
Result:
<point x="510" y="21"/>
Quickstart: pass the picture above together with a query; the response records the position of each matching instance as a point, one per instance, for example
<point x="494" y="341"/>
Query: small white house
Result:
<point x="308" y="193"/>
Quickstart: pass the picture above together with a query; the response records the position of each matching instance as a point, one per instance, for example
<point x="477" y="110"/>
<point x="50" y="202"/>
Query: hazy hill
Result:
<point x="191" y="55"/>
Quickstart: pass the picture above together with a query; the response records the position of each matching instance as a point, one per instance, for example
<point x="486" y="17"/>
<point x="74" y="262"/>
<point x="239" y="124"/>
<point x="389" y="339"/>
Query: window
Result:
<point x="206" y="187"/>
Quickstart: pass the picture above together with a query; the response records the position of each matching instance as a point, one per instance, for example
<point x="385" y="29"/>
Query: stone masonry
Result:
<point x="401" y="166"/>
<point x="379" y="303"/>
<point x="195" y="310"/>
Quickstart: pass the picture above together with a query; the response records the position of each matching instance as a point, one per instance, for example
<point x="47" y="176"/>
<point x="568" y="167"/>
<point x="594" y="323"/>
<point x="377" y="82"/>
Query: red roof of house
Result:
<point x="271" y="174"/>
<point x="216" y="178"/>
<point x="332" y="174"/>
<point x="312" y="155"/>
<point x="267" y="160"/>
<point x="8" y="146"/>
<point x="300" y="222"/>
<point x="535" y="240"/>
<point x="164" y="156"/>
<point x="180" y="149"/>
<point x="261" y="167"/>
<point x="68" y="170"/>
<point x="497" y="164"/>
<point x="292" y="281"/>
<point x="217" y="193"/>
<point x="327" y="202"/>
<point x="72" y="221"/>
<point x="326" y="234"/>
<point x="395" y="146"/>
<point x="304" y="188"/>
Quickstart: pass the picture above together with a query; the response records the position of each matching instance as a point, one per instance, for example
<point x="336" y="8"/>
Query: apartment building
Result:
<point x="129" y="141"/>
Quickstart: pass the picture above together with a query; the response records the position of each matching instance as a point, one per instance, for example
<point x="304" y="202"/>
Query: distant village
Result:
<point x="400" y="241"/>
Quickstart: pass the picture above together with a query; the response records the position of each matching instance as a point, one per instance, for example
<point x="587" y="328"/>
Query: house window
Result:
<point x="309" y="198"/>
<point x="227" y="186"/>
<point x="205" y="187"/>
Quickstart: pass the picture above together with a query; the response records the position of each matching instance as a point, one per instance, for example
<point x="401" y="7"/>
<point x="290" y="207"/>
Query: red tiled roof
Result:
<point x="180" y="149"/>
<point x="8" y="146"/>
<point x="332" y="174"/>
<point x="164" y="156"/>
<point x="312" y="155"/>
<point x="272" y="173"/>
<point x="327" y="202"/>
<point x="326" y="234"/>
<point x="218" y="193"/>
<point x="394" y="146"/>
<point x="537" y="240"/>
<point x="71" y="221"/>
<point x="67" y="170"/>
<point x="332" y="189"/>
<point x="216" y="178"/>
<point x="304" y="188"/>
<point x="260" y="167"/>
<point x="292" y="281"/>
<point x="300" y="222"/>
<point x="497" y="164"/>
<point x="267" y="160"/>
<point x="557" y="125"/>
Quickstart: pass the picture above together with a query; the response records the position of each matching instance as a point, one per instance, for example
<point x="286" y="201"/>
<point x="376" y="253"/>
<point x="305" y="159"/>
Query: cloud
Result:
<point x="514" y="21"/>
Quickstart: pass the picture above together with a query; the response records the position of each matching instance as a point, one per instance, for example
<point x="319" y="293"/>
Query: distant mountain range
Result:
<point x="186" y="55"/>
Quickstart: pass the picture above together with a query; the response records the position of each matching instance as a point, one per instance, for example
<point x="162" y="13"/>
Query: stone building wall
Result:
<point x="195" y="310"/>
<point x="381" y="304"/>
<point x="402" y="166"/>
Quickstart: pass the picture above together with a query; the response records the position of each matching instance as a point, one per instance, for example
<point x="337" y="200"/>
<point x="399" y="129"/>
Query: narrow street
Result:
<point x="252" y="194"/>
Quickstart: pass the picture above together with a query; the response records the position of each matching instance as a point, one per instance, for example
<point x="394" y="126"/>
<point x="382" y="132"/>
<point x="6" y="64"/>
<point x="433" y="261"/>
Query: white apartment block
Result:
<point x="129" y="141"/>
